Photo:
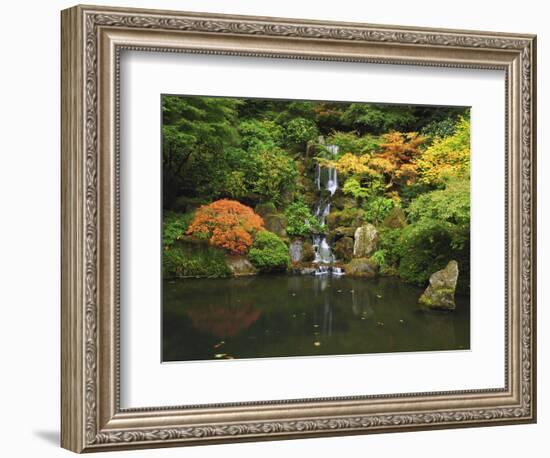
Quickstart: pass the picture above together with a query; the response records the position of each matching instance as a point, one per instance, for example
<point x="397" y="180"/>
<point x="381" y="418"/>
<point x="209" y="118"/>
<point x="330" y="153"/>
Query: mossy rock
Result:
<point x="276" y="223"/>
<point x="440" y="293"/>
<point x="349" y="217"/>
<point x="240" y="266"/>
<point x="341" y="202"/>
<point x="395" y="219"/>
<point x="184" y="204"/>
<point x="343" y="249"/>
<point x="308" y="253"/>
<point x="361" y="267"/>
<point x="266" y="208"/>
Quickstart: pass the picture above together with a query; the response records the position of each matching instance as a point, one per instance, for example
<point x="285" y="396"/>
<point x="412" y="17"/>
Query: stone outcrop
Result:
<point x="395" y="219"/>
<point x="361" y="267"/>
<point x="276" y="223"/>
<point x="343" y="249"/>
<point x="440" y="293"/>
<point x="366" y="241"/>
<point x="240" y="266"/>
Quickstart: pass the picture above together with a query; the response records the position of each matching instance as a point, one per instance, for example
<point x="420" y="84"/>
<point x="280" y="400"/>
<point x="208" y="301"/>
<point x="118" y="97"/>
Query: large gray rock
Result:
<point x="300" y="251"/>
<point x="366" y="241"/>
<point x="361" y="267"/>
<point x="440" y="293"/>
<point x="240" y="266"/>
<point x="295" y="250"/>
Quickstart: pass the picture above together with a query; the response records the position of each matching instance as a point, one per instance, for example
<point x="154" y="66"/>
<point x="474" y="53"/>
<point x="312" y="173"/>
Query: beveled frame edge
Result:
<point x="91" y="40"/>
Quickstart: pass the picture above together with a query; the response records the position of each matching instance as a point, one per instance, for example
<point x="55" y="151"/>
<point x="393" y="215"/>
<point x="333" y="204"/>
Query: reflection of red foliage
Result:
<point x="227" y="224"/>
<point x="223" y="321"/>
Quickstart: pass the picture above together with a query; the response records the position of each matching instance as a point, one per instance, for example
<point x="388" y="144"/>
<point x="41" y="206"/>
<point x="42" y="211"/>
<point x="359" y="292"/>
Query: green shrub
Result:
<point x="299" y="131"/>
<point x="174" y="226"/>
<point x="269" y="253"/>
<point x="377" y="208"/>
<point x="424" y="248"/>
<point x="193" y="260"/>
<point x="300" y="220"/>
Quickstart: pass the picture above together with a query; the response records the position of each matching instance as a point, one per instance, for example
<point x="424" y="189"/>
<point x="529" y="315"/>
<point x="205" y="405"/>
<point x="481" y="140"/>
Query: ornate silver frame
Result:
<point x="92" y="39"/>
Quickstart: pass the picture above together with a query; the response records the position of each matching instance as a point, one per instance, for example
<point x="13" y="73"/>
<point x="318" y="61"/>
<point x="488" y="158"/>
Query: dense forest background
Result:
<point x="227" y="161"/>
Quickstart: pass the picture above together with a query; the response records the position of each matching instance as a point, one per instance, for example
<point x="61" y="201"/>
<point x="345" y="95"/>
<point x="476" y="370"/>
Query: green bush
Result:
<point x="269" y="253"/>
<point x="299" y="131"/>
<point x="193" y="260"/>
<point x="174" y="226"/>
<point x="300" y="220"/>
<point x="377" y="208"/>
<point x="424" y="248"/>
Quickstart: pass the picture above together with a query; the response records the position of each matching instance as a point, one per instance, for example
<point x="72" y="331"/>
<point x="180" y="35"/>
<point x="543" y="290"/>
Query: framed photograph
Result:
<point x="278" y="228"/>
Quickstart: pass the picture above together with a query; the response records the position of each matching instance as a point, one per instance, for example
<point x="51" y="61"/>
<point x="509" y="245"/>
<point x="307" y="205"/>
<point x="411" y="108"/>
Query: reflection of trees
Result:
<point x="223" y="321"/>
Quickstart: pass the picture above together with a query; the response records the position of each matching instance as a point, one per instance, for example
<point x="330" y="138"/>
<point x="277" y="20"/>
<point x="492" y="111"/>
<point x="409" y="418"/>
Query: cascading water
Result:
<point x="326" y="179"/>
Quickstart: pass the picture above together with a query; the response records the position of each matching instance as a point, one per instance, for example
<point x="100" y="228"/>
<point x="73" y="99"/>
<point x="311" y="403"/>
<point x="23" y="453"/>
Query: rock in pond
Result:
<point x="440" y="293"/>
<point x="366" y="241"/>
<point x="361" y="267"/>
<point x="240" y="266"/>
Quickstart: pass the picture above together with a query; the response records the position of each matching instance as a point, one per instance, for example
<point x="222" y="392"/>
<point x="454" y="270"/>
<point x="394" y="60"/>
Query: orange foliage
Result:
<point x="397" y="159"/>
<point x="226" y="224"/>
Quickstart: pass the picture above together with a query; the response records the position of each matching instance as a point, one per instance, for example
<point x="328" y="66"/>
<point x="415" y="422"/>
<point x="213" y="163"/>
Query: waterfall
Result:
<point x="326" y="179"/>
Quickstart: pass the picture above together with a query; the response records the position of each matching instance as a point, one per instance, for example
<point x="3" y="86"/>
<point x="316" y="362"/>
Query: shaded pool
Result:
<point x="275" y="316"/>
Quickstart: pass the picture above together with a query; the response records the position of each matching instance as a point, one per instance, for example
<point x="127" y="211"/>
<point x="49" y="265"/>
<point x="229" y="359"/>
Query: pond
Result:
<point x="278" y="316"/>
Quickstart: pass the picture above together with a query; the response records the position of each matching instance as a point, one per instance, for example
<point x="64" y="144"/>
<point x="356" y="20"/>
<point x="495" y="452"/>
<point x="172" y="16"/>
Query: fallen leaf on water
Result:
<point x="378" y="296"/>
<point x="379" y="323"/>
<point x="220" y="355"/>
<point x="317" y="343"/>
<point x="219" y="344"/>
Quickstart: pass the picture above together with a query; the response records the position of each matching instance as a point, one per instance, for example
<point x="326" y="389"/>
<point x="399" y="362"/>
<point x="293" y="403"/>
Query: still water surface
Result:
<point x="276" y="316"/>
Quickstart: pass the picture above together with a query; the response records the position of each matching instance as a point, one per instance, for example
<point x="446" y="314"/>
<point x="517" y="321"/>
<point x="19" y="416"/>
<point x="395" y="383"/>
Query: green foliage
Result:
<point x="377" y="119"/>
<point x="425" y="247"/>
<point x="269" y="253"/>
<point x="274" y="175"/>
<point x="377" y="208"/>
<point x="350" y="142"/>
<point x="299" y="131"/>
<point x="193" y="260"/>
<point x="174" y="226"/>
<point x="366" y="187"/>
<point x="447" y="157"/>
<point x="195" y="131"/>
<point x="300" y="221"/>
<point x="260" y="134"/>
<point x="379" y="258"/>
<point x="451" y="204"/>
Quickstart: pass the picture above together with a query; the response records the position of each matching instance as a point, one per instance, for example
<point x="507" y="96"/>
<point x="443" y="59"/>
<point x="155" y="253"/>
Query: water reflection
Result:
<point x="302" y="315"/>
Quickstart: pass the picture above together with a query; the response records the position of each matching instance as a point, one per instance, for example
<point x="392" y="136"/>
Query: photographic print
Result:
<point x="305" y="228"/>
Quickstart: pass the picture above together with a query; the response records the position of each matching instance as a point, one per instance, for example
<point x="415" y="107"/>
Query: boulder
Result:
<point x="264" y="209"/>
<point x="395" y="219"/>
<point x="295" y="250"/>
<point x="276" y="223"/>
<point x="366" y="241"/>
<point x="340" y="232"/>
<point x="340" y="202"/>
<point x="361" y="267"/>
<point x="308" y="253"/>
<point x="440" y="293"/>
<point x="343" y="249"/>
<point x="349" y="217"/>
<point x="240" y="266"/>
